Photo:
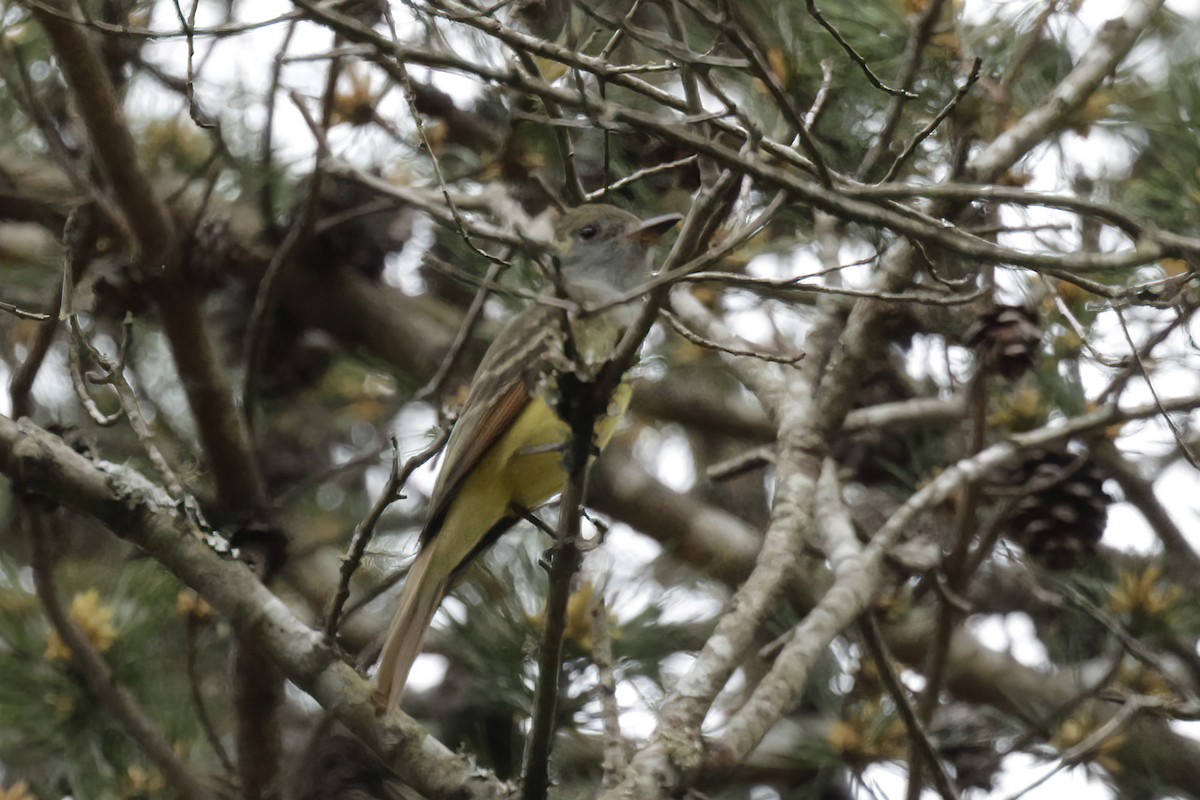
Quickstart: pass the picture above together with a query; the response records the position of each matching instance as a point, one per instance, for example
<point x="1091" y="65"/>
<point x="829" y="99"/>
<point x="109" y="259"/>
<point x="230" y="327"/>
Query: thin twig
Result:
<point x="675" y="49"/>
<point x="434" y="205"/>
<point x="633" y="177"/>
<point x="113" y="375"/>
<point x="410" y="98"/>
<point x="258" y="684"/>
<point x="1020" y="59"/>
<point x="188" y="23"/>
<point x="191" y="632"/>
<point x="869" y="628"/>
<point x="1074" y="324"/>
<point x="366" y="530"/>
<point x="27" y="98"/>
<point x="1141" y="365"/>
<point x="581" y="403"/>
<point x="783" y="101"/>
<point x="708" y="344"/>
<point x="147" y="217"/>
<point x="572" y="182"/>
<point x="627" y="21"/>
<point x="773" y="286"/>
<point x="918" y="410"/>
<point x="471" y="279"/>
<point x="360" y="461"/>
<point x="933" y="125"/>
<point x="914" y="53"/>
<point x="823" y="92"/>
<point x="952" y="579"/>
<point x="1080" y="752"/>
<point x="1186" y="704"/>
<point x="1118" y="383"/>
<point x="754" y="458"/>
<point x="978" y="192"/>
<point x="79" y="384"/>
<point x="687" y="71"/>
<point x="434" y="385"/>
<point x="850" y="51"/>
<point x="266" y="193"/>
<point x="20" y="313"/>
<point x="258" y="329"/>
<point x="21" y="386"/>
<point x="131" y="32"/>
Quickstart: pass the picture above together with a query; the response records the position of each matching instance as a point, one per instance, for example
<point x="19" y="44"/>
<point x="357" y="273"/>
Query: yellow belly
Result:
<point x="519" y="469"/>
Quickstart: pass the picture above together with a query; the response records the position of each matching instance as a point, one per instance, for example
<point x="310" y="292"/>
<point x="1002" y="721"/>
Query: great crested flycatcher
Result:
<point x="505" y="451"/>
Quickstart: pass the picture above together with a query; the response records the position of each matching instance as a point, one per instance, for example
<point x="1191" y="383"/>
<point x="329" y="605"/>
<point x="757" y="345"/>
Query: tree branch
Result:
<point x="144" y="515"/>
<point x="856" y="577"/>
<point x="152" y="231"/>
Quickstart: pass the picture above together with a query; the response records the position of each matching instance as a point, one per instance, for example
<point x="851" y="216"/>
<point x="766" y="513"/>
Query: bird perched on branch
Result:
<point x="505" y="453"/>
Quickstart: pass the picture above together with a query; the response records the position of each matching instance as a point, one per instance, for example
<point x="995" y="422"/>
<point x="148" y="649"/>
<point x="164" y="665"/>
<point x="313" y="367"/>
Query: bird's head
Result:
<point x="605" y="250"/>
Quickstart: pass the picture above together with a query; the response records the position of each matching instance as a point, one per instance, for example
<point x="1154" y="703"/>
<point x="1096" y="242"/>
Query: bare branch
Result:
<point x="856" y="582"/>
<point x="143" y="514"/>
<point x="933" y="125"/>
<point x="225" y="441"/>
<point x="366" y="531"/>
<point x="914" y="52"/>
<point x="916" y="730"/>
<point x="850" y="51"/>
<point x="698" y="340"/>
<point x="20" y="313"/>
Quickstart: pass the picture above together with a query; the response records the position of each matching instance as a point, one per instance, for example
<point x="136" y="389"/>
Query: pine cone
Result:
<point x="1005" y="339"/>
<point x="1063" y="509"/>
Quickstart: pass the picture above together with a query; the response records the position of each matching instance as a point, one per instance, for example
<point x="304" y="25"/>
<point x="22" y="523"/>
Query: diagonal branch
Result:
<point x="850" y="51"/>
<point x="141" y="513"/>
<point x="674" y="755"/>
<point x="1099" y="60"/>
<point x="768" y="163"/>
<point x="859" y="340"/>
<point x="856" y="577"/>
<point x="914" y="53"/>
<point x="363" y="534"/>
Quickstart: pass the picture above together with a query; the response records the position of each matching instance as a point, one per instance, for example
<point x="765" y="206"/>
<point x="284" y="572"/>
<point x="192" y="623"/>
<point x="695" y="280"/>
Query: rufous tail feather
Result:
<point x="418" y="603"/>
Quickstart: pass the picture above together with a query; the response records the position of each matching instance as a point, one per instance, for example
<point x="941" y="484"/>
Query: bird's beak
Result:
<point x="648" y="230"/>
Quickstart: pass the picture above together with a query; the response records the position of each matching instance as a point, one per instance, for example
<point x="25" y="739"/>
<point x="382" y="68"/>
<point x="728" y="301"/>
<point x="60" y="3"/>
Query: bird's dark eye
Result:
<point x="588" y="232"/>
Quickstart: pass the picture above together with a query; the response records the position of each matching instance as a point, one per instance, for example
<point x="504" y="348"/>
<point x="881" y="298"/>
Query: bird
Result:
<point x="505" y="451"/>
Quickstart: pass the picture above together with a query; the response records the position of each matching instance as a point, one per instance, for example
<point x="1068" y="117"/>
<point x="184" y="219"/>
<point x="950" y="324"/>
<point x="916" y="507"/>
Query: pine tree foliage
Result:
<point x="903" y="503"/>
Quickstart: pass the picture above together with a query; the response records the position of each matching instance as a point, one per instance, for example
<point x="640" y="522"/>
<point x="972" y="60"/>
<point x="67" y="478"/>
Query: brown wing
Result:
<point x="500" y="391"/>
